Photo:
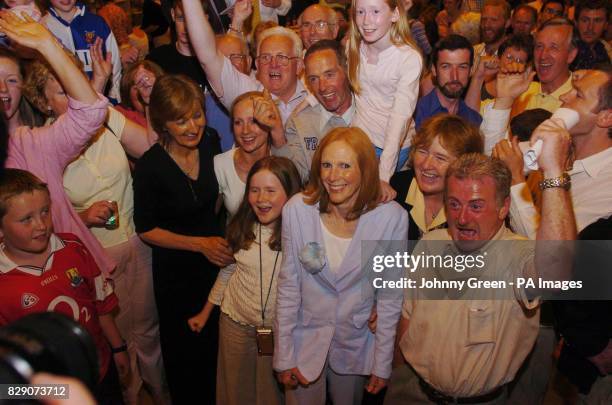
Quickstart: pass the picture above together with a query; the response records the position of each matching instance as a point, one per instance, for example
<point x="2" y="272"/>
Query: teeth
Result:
<point x="429" y="175"/>
<point x="328" y="95"/>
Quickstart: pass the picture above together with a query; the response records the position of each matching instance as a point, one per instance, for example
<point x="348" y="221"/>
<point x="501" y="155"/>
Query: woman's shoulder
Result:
<point x="222" y="160"/>
<point x="298" y="203"/>
<point x="151" y="158"/>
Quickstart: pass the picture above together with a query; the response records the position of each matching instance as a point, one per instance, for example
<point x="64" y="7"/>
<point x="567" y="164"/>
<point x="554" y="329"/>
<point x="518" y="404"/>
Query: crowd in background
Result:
<point x="195" y="190"/>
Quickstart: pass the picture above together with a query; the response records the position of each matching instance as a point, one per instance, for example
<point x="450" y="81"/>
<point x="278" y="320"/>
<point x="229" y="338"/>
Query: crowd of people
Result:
<point x="202" y="206"/>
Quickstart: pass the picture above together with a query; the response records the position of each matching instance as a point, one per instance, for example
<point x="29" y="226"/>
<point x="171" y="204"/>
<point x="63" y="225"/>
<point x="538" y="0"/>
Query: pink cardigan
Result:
<point x="46" y="151"/>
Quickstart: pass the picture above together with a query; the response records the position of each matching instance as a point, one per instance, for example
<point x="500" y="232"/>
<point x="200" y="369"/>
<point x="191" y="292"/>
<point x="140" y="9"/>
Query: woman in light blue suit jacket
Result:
<point x="325" y="291"/>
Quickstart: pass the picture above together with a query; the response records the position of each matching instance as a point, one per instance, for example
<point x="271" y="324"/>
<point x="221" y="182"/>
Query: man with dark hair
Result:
<point x="592" y="22"/>
<point x="329" y="105"/>
<point x="524" y="19"/>
<point x="451" y="66"/>
<point x="551" y="9"/>
<point x="523" y="125"/>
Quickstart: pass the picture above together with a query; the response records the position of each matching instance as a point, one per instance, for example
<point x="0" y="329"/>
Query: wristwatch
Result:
<point x="564" y="181"/>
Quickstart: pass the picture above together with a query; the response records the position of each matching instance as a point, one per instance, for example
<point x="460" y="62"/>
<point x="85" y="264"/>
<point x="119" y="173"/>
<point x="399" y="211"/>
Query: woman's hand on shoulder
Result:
<point x="216" y="250"/>
<point x="387" y="193"/>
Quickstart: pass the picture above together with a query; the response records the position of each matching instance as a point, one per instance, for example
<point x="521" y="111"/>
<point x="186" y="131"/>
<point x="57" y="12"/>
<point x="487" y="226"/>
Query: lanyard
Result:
<point x="263" y="306"/>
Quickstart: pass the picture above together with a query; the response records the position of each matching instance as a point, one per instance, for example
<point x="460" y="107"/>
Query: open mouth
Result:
<point x="275" y="76"/>
<point x="6" y="103"/>
<point x="467" y="233"/>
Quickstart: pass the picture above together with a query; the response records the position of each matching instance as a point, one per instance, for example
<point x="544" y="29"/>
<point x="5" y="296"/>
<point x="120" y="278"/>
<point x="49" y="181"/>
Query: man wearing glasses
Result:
<point x="317" y="22"/>
<point x="278" y="62"/>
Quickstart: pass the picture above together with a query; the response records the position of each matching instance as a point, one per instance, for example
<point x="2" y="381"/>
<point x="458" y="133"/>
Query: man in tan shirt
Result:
<point x="468" y="349"/>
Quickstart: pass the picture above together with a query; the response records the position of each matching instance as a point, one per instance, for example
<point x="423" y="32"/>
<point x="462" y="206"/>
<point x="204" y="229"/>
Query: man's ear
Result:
<point x="572" y="54"/>
<point x="300" y="66"/>
<point x="604" y="119"/>
<point x="504" y="209"/>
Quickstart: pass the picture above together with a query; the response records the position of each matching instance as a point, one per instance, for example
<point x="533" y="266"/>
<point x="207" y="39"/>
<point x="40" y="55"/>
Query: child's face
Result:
<point x="374" y="19"/>
<point x="26" y="226"/>
<point x="64" y="6"/>
<point x="266" y="196"/>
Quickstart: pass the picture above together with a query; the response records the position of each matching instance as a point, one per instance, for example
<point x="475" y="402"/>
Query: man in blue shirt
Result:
<point x="451" y="65"/>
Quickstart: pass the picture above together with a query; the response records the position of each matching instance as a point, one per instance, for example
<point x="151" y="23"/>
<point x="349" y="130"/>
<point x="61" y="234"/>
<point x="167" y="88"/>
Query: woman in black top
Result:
<point x="175" y="191"/>
<point x="420" y="190"/>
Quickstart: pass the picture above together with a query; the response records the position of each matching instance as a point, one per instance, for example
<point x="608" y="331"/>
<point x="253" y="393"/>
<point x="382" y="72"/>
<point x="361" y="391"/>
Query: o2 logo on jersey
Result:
<point x="74" y="276"/>
<point x="28" y="300"/>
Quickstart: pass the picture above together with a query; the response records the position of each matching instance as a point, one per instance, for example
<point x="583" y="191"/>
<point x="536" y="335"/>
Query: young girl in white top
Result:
<point x="246" y="290"/>
<point x="384" y="70"/>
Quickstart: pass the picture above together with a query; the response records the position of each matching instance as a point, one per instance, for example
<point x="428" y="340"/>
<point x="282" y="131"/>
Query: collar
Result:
<point x="434" y="105"/>
<point x="564" y="88"/>
<point x="300" y="92"/>
<point x="7" y="264"/>
<point x="593" y="164"/>
<point x="79" y="12"/>
<point x="326" y="115"/>
<point x="416" y="199"/>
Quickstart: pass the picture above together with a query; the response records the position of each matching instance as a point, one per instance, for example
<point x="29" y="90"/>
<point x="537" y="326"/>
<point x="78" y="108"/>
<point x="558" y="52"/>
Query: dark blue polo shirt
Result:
<point x="429" y="105"/>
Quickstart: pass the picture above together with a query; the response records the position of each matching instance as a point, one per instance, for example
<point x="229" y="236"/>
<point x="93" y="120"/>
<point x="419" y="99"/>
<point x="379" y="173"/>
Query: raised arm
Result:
<point x="30" y="34"/>
<point x="202" y="39"/>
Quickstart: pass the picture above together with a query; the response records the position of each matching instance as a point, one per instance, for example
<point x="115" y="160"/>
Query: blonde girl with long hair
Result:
<point x="384" y="71"/>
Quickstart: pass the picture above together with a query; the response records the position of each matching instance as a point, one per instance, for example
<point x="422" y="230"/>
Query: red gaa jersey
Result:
<point x="70" y="283"/>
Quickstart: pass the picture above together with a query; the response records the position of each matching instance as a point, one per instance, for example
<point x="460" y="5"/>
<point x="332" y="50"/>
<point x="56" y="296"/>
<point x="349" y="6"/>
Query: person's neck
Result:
<point x="374" y="49"/>
<point x="183" y="48"/>
<point x="180" y="152"/>
<point x="289" y="93"/>
<point x="67" y="16"/>
<point x="21" y="258"/>
<point x="491" y="49"/>
<point x="590" y="144"/>
<point x="339" y="213"/>
<point x="345" y="106"/>
<point x="14" y="122"/>
<point x="249" y="158"/>
<point x="553" y="85"/>
<point x="433" y="201"/>
<point x="451" y="104"/>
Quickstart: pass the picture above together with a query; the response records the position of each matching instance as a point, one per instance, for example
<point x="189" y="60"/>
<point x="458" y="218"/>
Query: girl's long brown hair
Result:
<point x="240" y="231"/>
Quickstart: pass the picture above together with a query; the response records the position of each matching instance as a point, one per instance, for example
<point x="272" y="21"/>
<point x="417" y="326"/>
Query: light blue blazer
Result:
<point x="323" y="316"/>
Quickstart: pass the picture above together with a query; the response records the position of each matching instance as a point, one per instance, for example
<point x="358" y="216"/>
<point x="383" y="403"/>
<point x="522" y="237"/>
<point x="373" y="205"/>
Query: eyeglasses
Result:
<point x="516" y="59"/>
<point x="319" y="26"/>
<point x="553" y="11"/>
<point x="236" y="57"/>
<point x="281" y="60"/>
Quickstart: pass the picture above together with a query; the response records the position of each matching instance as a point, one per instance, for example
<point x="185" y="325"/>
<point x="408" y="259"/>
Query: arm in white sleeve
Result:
<point x="494" y="127"/>
<point x="113" y="48"/>
<point x="216" y="293"/>
<point x="524" y="216"/>
<point x="284" y="8"/>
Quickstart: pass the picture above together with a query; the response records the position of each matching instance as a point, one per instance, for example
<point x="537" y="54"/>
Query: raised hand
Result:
<point x="102" y="66"/>
<point x="144" y="81"/>
<point x="511" y="84"/>
<point x="265" y="111"/>
<point x="24" y="31"/>
<point x="241" y="12"/>
<point x="510" y="153"/>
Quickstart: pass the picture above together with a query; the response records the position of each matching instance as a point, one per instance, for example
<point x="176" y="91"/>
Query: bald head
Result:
<point x="317" y="22"/>
<point x="236" y="50"/>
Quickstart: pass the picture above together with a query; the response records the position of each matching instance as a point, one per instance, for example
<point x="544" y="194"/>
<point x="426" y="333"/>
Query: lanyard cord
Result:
<point x="263" y="306"/>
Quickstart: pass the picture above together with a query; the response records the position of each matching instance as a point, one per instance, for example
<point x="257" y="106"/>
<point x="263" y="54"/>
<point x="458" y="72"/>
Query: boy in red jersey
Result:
<point x="43" y="271"/>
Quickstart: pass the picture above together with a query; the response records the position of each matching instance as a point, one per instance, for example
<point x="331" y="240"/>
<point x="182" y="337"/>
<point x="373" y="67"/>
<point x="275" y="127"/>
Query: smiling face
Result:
<point x="266" y="196"/>
<point x="553" y="54"/>
<point x="452" y="72"/>
<point x="492" y="24"/>
<point x="278" y="79"/>
<point x="26" y="226"/>
<point x="247" y="133"/>
<point x="317" y="24"/>
<point x="592" y="24"/>
<point x="430" y="166"/>
<point x="187" y="131"/>
<point x="472" y="211"/>
<point x="57" y="101"/>
<point x="374" y="19"/>
<point x="327" y="80"/>
<point x="340" y="174"/>
<point x="10" y="87"/>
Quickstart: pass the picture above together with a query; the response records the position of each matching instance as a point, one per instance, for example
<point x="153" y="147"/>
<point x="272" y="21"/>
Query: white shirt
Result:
<point x="335" y="248"/>
<point x="591" y="195"/>
<point x="386" y="102"/>
<point x="231" y="187"/>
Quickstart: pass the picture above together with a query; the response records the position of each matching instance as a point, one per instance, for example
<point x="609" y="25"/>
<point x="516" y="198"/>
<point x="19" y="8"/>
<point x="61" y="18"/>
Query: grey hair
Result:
<point x="283" y="32"/>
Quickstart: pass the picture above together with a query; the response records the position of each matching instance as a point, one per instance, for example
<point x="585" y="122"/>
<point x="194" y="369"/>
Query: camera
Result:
<point x="49" y="342"/>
